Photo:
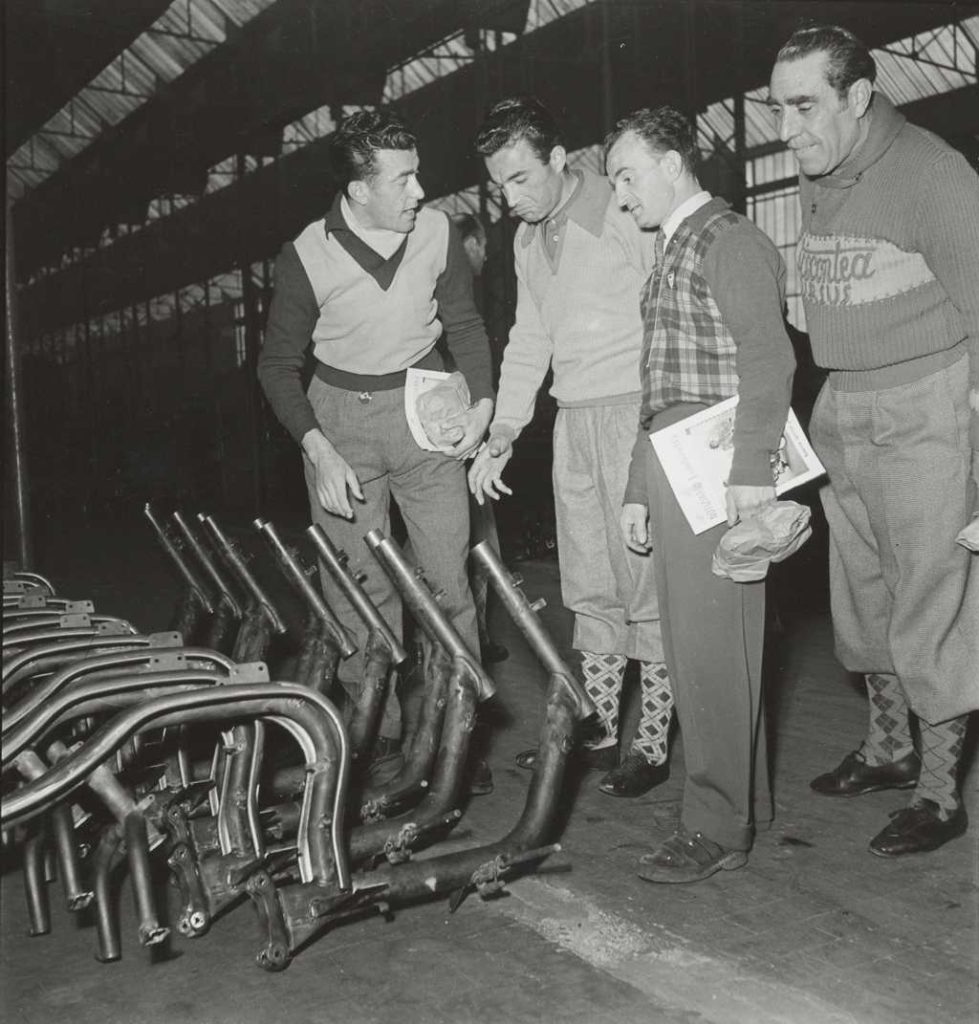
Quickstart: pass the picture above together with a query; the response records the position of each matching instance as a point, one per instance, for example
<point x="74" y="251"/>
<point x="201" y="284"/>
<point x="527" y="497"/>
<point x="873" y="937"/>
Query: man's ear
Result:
<point x="673" y="163"/>
<point x="558" y="159"/>
<point x="358" y="192"/>
<point x="859" y="95"/>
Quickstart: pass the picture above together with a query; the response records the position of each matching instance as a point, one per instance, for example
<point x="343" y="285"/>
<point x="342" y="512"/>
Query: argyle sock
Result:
<point x="889" y="734"/>
<point x="602" y="675"/>
<point x="657" y="712"/>
<point x="941" y="747"/>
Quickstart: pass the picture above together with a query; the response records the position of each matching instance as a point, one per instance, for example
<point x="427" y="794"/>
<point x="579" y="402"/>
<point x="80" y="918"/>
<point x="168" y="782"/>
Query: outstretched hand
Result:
<point x="485" y="474"/>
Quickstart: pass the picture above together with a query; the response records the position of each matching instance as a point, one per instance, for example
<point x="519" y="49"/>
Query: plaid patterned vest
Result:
<point x="688" y="354"/>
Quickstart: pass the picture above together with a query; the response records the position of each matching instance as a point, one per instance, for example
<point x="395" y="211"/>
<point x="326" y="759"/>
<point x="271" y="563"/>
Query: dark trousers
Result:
<point x="713" y="637"/>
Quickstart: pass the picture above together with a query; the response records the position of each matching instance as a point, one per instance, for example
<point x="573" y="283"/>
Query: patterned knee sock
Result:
<point x="889" y="735"/>
<point x="941" y="746"/>
<point x="657" y="711"/>
<point x="602" y="675"/>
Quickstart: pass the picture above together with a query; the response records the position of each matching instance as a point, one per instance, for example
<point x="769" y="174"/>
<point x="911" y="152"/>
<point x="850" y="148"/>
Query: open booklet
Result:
<point x="696" y="456"/>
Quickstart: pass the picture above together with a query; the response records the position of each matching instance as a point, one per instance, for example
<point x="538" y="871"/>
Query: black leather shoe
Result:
<point x="854" y="777"/>
<point x="918" y="829"/>
<point x="633" y="777"/>
<point x="589" y="759"/>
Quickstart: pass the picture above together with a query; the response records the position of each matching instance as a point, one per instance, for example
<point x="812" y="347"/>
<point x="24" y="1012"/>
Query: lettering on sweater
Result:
<point x="840" y="270"/>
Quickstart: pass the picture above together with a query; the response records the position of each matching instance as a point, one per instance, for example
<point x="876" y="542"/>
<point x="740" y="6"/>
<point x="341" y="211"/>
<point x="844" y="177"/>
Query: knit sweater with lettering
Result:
<point x="577" y="310"/>
<point x="367" y="316"/>
<point x="889" y="256"/>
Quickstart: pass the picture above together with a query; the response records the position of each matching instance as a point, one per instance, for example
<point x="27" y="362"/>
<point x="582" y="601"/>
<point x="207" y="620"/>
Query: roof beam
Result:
<point x="249" y="220"/>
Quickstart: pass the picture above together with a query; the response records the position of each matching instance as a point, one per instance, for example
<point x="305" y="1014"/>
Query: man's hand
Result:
<point x="333" y="475"/>
<point x="487" y="469"/>
<point x="634" y="520"/>
<point x="475" y="421"/>
<point x="743" y="500"/>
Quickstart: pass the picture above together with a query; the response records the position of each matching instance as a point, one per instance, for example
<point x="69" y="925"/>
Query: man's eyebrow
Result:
<point x="789" y="101"/>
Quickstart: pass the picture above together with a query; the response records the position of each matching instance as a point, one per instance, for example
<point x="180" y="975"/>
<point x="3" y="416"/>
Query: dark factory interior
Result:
<point x="196" y="822"/>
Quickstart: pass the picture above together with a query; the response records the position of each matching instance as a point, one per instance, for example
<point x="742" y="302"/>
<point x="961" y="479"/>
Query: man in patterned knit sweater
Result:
<point x="372" y="285"/>
<point x="889" y="270"/>
<point x="580" y="263"/>
<point x="713" y="328"/>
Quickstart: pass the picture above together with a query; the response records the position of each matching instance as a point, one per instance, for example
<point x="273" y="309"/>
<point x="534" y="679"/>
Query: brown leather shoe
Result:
<point x="918" y="828"/>
<point x="688" y="857"/>
<point x="854" y="777"/>
<point x="633" y="777"/>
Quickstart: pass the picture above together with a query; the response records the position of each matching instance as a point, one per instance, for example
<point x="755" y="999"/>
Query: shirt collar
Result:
<point x="333" y="221"/>
<point x="586" y="207"/>
<point x="380" y="240"/>
<point x="680" y="214"/>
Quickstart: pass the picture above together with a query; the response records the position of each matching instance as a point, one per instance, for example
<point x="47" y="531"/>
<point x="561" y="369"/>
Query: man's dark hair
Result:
<point x="358" y="138"/>
<point x="516" y="118"/>
<point x="470" y="226"/>
<point x="662" y="129"/>
<point x="848" y="59"/>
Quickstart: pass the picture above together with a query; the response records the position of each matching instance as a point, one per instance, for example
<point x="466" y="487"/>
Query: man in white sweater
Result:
<point x="580" y="264"/>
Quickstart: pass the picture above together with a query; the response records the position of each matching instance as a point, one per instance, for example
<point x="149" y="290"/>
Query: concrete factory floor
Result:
<point x="815" y="930"/>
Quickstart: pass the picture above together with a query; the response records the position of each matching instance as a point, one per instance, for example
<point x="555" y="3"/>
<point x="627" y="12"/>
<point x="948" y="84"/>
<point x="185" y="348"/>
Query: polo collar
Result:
<point x="586" y="207"/>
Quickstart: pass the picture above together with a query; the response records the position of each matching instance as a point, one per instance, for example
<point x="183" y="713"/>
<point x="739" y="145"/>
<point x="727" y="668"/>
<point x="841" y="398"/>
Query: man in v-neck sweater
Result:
<point x="580" y="264"/>
<point x="372" y="286"/>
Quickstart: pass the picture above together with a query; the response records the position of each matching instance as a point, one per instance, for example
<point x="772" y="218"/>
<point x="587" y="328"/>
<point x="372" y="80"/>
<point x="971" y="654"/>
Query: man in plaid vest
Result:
<point x="713" y="328"/>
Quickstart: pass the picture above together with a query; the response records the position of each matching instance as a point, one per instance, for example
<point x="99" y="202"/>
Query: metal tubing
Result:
<point x="303" y="711"/>
<point x="207" y="562"/>
<point x="438" y="875"/>
<point x="53" y="655"/>
<point x="420" y="600"/>
<point x="15" y="405"/>
<point x="238" y="565"/>
<point x="34" y="579"/>
<point x="195" y="584"/>
<point x="49" y="634"/>
<point x="337" y="565"/>
<point x="524" y="615"/>
<point x="105" y="666"/>
<point x="224" y="621"/>
<point x="150" y="931"/>
<point x="418" y="760"/>
<point x="397" y="835"/>
<point x="106" y="858"/>
<point x="35" y="886"/>
<point x="293" y="570"/>
<point x="378" y="677"/>
<point x="188" y="615"/>
<point x="77" y="700"/>
<point x="318" y="657"/>
<point x="77" y="897"/>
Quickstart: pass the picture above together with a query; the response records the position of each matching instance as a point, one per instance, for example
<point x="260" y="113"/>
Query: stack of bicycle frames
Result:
<point x="121" y="748"/>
